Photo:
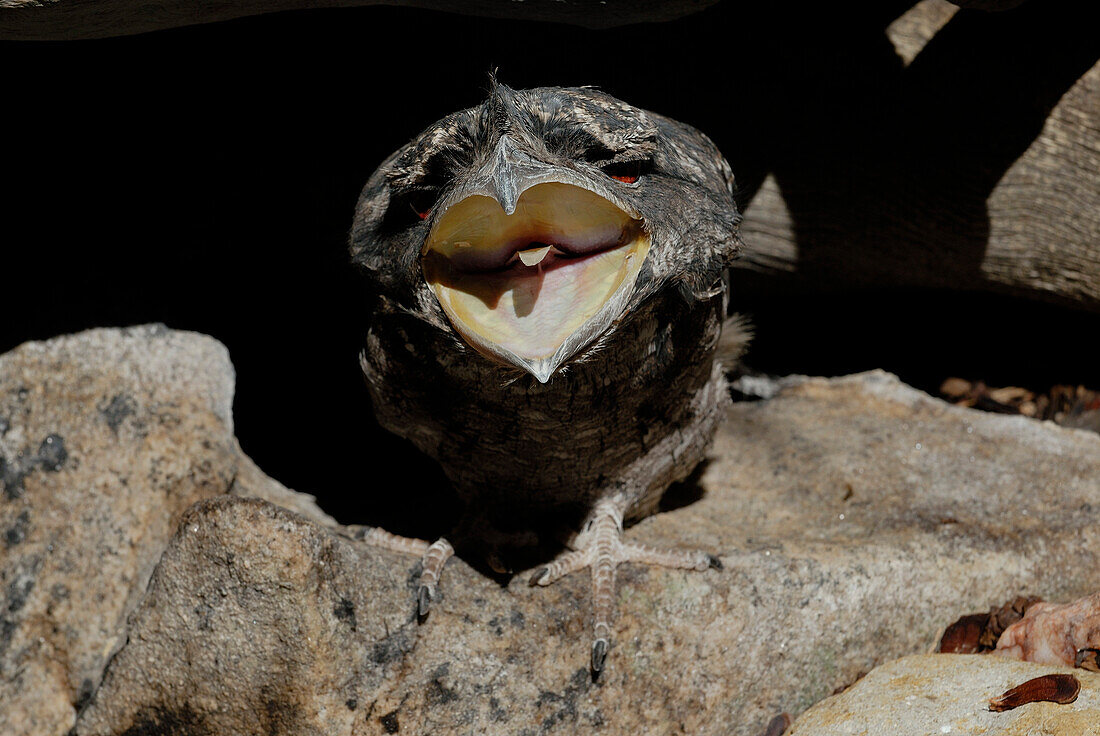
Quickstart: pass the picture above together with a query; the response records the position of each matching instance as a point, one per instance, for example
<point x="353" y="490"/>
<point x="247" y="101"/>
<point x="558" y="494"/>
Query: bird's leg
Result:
<point x="433" y="557"/>
<point x="601" y="548"/>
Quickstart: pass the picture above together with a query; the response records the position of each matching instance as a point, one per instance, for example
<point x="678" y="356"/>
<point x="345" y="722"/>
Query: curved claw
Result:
<point x="599" y="656"/>
<point x="714" y="562"/>
<point x="423" y="602"/>
<point x="538" y="576"/>
<point x="435" y="558"/>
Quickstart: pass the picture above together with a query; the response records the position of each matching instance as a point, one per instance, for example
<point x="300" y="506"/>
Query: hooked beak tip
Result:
<point x="542" y="370"/>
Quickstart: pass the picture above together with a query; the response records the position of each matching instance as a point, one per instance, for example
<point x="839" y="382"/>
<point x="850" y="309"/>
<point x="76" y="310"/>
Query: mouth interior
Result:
<point x="517" y="286"/>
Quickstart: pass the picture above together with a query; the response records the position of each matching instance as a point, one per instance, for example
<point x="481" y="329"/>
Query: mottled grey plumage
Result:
<point x="637" y="393"/>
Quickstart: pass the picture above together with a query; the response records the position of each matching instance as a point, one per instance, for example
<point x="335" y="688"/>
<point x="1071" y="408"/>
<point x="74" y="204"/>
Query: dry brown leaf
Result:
<point x="1061" y="689"/>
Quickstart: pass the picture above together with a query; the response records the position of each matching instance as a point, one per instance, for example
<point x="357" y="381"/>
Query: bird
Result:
<point x="549" y="285"/>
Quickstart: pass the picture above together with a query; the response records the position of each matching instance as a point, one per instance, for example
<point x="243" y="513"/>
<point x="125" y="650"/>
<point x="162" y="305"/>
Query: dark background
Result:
<point x="205" y="177"/>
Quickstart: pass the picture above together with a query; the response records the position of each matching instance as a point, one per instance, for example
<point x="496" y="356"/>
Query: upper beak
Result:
<point x="510" y="173"/>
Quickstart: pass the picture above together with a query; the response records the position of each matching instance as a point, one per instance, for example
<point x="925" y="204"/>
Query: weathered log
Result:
<point x="988" y="4"/>
<point x="978" y="169"/>
<point x="958" y="150"/>
<point x="42" y="20"/>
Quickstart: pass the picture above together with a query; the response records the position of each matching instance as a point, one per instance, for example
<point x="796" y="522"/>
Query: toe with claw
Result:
<point x="600" y="547"/>
<point x="433" y="557"/>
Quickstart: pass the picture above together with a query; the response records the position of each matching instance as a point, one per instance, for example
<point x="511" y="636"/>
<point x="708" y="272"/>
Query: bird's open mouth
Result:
<point x="518" y="287"/>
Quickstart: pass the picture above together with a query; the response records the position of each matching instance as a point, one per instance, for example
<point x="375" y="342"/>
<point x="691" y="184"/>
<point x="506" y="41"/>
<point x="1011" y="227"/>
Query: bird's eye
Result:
<point x="628" y="172"/>
<point x="421" y="203"/>
<point x="410" y="204"/>
<point x="409" y="207"/>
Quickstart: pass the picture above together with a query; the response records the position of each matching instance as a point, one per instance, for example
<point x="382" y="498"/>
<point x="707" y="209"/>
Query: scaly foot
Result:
<point x="601" y="548"/>
<point x="433" y="557"/>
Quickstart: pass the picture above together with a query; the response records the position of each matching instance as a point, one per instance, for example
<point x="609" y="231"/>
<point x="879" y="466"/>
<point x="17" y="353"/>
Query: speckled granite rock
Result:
<point x="96" y="465"/>
<point x="256" y="621"/>
<point x="855" y="517"/>
<point x="949" y="694"/>
<point x="106" y="437"/>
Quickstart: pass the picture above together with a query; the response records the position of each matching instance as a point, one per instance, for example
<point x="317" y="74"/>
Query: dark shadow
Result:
<point x="923" y="336"/>
<point x="498" y="550"/>
<point x="205" y="177"/>
<point x="875" y="158"/>
<point x="686" y="492"/>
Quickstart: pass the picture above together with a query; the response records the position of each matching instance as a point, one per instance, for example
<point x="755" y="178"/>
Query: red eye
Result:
<point x="627" y="172"/>
<point x="421" y="203"/>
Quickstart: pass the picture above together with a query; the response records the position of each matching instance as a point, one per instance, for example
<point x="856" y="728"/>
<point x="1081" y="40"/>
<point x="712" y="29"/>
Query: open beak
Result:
<point x="534" y="287"/>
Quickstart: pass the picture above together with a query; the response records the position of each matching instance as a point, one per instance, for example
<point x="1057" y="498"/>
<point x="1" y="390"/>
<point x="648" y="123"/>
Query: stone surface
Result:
<point x="257" y="621"/>
<point x="860" y="516"/>
<point x="950" y="693"/>
<point x="855" y="517"/>
<point x="106" y="437"/>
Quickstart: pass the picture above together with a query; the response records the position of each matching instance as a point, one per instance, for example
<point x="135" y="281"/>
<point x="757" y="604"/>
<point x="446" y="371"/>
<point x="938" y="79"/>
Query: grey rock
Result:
<point x="101" y="455"/>
<point x="950" y="694"/>
<point x="258" y="621"/>
<point x="856" y="517"/>
<point x="106" y="438"/>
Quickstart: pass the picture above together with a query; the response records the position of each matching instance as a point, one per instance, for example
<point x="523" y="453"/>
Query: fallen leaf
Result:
<point x="978" y="632"/>
<point x="1061" y="689"/>
<point x="965" y="635"/>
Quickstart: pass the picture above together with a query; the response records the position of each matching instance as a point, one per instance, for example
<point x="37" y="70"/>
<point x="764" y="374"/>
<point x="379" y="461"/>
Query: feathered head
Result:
<point x="533" y="224"/>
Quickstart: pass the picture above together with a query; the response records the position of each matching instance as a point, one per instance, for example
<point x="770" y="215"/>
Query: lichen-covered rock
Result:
<point x="257" y="621"/>
<point x="856" y="517"/>
<point x="950" y="694"/>
<point x="106" y="437"/>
